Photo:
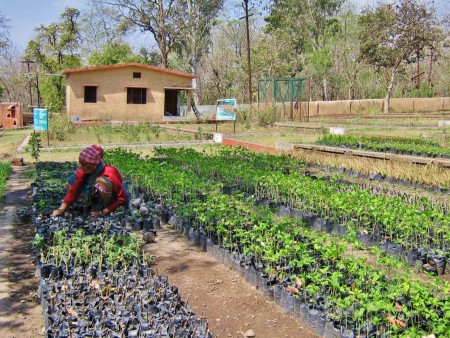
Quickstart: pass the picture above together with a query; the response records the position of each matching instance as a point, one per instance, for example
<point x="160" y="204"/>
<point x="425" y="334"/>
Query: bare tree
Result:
<point x="164" y="19"/>
<point x="13" y="82"/>
<point x="195" y="40"/>
<point x="100" y="26"/>
<point x="4" y="31"/>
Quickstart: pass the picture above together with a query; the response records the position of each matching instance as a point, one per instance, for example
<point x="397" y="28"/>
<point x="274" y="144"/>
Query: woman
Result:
<point x="100" y="185"/>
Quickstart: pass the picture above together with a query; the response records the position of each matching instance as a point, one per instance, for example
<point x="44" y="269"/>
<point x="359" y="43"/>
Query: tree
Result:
<point x="100" y="26"/>
<point x="272" y="57"/>
<point x="195" y="39"/>
<point x="392" y="34"/>
<point x="223" y="71"/>
<point x="54" y="49"/>
<point x="4" y="31"/>
<point x="164" y="19"/>
<point x="13" y="83"/>
<point x="116" y="52"/>
<point x="307" y="25"/>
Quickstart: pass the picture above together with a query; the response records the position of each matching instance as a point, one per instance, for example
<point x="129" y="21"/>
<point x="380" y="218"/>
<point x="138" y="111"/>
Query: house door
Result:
<point x="171" y="103"/>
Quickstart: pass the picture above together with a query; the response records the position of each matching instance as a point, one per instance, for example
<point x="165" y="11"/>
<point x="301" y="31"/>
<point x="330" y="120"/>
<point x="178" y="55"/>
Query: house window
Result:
<point x="136" y="75"/>
<point x="90" y="94"/>
<point x="137" y="95"/>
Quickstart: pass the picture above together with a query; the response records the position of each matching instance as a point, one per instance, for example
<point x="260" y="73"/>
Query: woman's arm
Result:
<point x="72" y="194"/>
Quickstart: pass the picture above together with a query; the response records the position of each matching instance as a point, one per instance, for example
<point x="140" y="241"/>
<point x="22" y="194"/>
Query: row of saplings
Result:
<point x="306" y="272"/>
<point x="95" y="280"/>
<point x="404" y="225"/>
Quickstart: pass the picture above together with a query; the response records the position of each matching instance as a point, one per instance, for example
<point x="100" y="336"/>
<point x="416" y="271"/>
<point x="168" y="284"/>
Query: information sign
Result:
<point x="222" y="106"/>
<point x="40" y="119"/>
<point x="222" y="115"/>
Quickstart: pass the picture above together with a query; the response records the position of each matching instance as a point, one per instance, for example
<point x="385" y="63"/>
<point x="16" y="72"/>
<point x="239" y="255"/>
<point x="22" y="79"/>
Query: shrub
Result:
<point x="60" y="127"/>
<point x="268" y="117"/>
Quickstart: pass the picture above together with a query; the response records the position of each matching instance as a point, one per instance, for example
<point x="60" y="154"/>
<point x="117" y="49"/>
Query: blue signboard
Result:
<point x="222" y="115"/>
<point x="227" y="102"/>
<point x="221" y="112"/>
<point x="40" y="119"/>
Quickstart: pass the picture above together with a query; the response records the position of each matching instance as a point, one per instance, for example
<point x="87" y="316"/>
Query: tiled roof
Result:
<point x="130" y="64"/>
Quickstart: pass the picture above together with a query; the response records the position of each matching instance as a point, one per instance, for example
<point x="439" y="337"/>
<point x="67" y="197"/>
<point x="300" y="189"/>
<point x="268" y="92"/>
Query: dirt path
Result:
<point x="231" y="306"/>
<point x="20" y="313"/>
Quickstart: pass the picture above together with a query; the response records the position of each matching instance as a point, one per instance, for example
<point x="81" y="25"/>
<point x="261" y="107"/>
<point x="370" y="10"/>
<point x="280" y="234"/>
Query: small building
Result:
<point x="128" y="92"/>
<point x="11" y="115"/>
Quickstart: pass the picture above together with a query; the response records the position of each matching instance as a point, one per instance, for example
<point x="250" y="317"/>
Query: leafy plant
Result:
<point x="268" y="116"/>
<point x="60" y="126"/>
<point x="35" y="143"/>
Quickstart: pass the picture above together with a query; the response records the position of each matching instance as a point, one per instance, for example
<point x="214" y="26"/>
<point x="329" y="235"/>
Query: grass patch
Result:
<point x="272" y="138"/>
<point x="10" y="140"/>
<point x="109" y="134"/>
<point x="71" y="154"/>
<point x="5" y="170"/>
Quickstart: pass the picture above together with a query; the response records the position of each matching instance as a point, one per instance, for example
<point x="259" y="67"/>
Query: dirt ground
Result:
<point x="232" y="307"/>
<point x="20" y="313"/>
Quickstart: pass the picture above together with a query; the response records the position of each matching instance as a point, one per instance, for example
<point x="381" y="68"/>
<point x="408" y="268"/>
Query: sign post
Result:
<point x="40" y="121"/>
<point x="222" y="115"/>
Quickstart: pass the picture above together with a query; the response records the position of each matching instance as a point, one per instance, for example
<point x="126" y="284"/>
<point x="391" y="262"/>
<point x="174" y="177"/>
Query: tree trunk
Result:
<point x="389" y="89"/>
<point x="430" y="84"/>
<point x="163" y="35"/>
<point x="325" y="89"/>
<point x="418" y="71"/>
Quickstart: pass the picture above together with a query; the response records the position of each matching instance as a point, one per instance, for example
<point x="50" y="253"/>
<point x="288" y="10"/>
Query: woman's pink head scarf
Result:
<point x="92" y="154"/>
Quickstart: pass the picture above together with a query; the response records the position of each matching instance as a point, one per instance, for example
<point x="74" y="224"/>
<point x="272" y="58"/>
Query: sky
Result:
<point x="25" y="15"/>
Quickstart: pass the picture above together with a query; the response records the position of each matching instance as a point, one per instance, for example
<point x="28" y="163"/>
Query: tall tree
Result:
<point x="393" y="34"/>
<point x="13" y="83"/>
<point x="164" y="19"/>
<point x="53" y="49"/>
<point x="195" y="39"/>
<point x="223" y="71"/>
<point x="344" y="53"/>
<point x="4" y="33"/>
<point x="307" y="24"/>
<point x="100" y="26"/>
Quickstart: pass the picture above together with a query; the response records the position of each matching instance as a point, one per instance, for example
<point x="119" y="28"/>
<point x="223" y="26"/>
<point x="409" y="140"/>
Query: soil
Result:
<point x="20" y="312"/>
<point x="232" y="307"/>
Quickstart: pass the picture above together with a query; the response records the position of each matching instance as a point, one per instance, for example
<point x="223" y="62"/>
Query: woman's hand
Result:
<point x="60" y="210"/>
<point x="105" y="211"/>
<point x="57" y="212"/>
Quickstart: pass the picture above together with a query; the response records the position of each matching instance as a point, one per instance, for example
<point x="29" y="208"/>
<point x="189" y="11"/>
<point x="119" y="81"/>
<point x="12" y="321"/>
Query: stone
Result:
<point x="249" y="334"/>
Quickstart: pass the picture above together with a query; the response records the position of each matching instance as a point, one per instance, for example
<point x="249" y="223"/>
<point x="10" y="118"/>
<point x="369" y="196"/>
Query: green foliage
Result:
<point x="424" y="91"/>
<point x="5" y="170"/>
<point x="268" y="117"/>
<point x="60" y="126"/>
<point x="112" y="251"/>
<point x="114" y="53"/>
<point x="245" y="114"/>
<point x="388" y="144"/>
<point x="97" y="129"/>
<point x="53" y="49"/>
<point x="320" y="63"/>
<point x="35" y="143"/>
<point x="393" y="34"/>
<point x="191" y="184"/>
<point x="294" y="17"/>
